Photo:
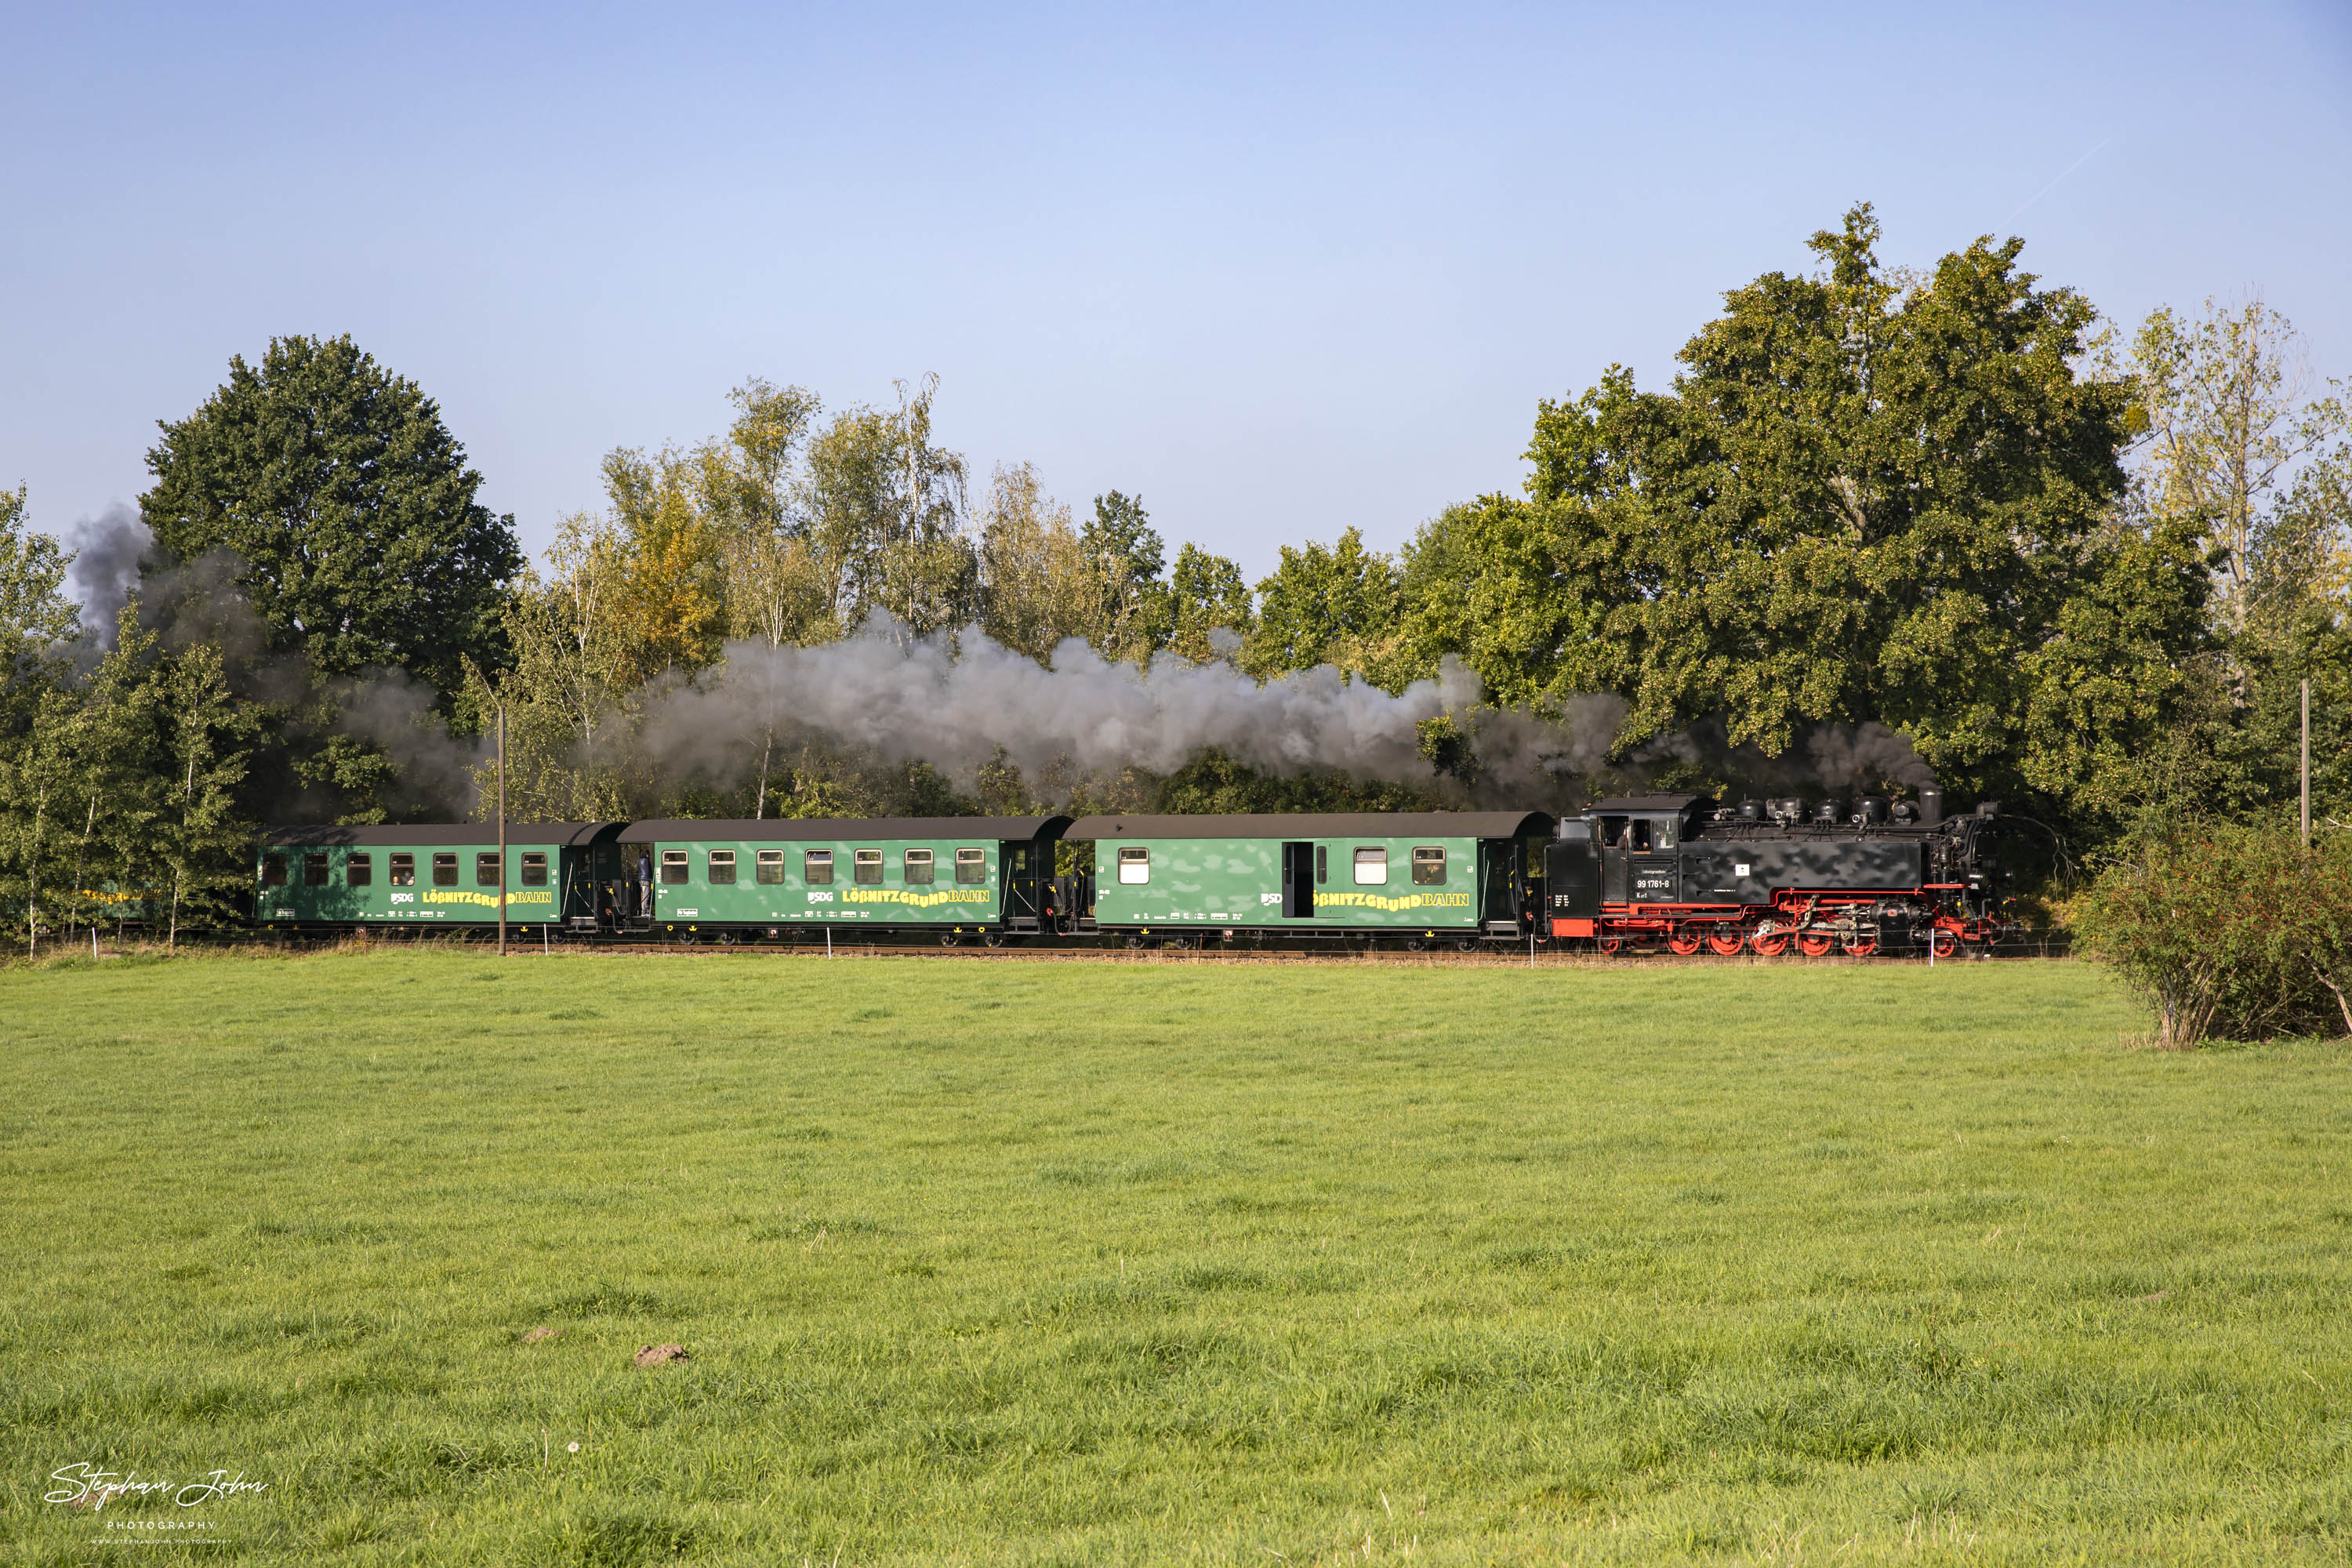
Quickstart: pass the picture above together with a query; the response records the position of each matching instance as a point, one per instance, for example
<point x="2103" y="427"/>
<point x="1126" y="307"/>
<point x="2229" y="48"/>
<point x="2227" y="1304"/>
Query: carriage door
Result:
<point x="1613" y="850"/>
<point x="1023" y="865"/>
<point x="1297" y="881"/>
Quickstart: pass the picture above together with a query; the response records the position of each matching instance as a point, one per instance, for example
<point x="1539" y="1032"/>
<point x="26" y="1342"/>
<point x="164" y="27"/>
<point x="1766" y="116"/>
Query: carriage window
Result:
<point x="486" y="869"/>
<point x="273" y="871"/>
<point x="1428" y="867"/>
<point x="972" y="867"/>
<point x="534" y="870"/>
<point x="445" y="870"/>
<point x="1134" y="866"/>
<point x="722" y="867"/>
<point x="359" y="870"/>
<point x="919" y="868"/>
<point x="1372" y="867"/>
<point x="404" y="870"/>
<point x="867" y="867"/>
<point x="771" y="866"/>
<point x="314" y="871"/>
<point x="816" y="867"/>
<point x="1322" y="865"/>
<point x="674" y="868"/>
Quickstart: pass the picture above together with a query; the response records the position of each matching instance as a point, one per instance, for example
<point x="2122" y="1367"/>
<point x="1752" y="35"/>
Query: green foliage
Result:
<point x="1137" y="613"/>
<point x="1208" y="600"/>
<point x="1860" y="502"/>
<point x="1034" y="1263"/>
<point x="1335" y="605"/>
<point x="349" y="504"/>
<point x="2228" y="928"/>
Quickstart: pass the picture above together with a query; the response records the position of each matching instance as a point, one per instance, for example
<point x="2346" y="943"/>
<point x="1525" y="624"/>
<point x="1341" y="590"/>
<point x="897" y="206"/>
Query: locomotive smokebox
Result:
<point x="1931" y="805"/>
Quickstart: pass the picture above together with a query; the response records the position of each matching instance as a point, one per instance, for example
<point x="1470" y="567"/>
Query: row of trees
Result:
<point x="2080" y="568"/>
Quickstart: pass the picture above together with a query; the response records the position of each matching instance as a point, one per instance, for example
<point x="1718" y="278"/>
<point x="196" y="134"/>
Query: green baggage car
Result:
<point x="434" y="875"/>
<point x="1414" y="877"/>
<point x="892" y="879"/>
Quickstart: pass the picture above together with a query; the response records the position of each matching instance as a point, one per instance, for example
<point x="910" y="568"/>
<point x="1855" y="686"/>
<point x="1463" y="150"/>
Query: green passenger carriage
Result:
<point x="426" y="876"/>
<point x="980" y="877"/>
<point x="1415" y="877"/>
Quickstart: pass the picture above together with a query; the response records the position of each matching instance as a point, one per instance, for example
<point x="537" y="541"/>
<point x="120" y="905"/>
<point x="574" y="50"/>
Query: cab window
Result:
<point x="273" y="871"/>
<point x="865" y="867"/>
<point x="1134" y="866"/>
<point x="534" y="870"/>
<point x="919" y="868"/>
<point x="674" y="868"/>
<point x="314" y="870"/>
<point x="359" y="870"/>
<point x="722" y="867"/>
<point x="1372" y="867"/>
<point x="1639" y="840"/>
<point x="816" y="867"/>
<point x="771" y="866"/>
<point x="972" y="867"/>
<point x="445" y="869"/>
<point x="404" y="870"/>
<point x="1428" y="867"/>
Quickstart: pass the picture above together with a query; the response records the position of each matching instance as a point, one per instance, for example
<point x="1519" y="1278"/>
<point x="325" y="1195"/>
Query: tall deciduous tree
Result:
<point x="1863" y="498"/>
<point x="349" y="504"/>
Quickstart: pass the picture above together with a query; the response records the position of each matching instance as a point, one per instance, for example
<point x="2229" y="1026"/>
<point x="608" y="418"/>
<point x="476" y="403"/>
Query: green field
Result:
<point x="1150" y="1262"/>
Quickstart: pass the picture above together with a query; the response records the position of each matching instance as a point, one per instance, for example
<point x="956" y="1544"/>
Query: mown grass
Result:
<point x="1091" y="1264"/>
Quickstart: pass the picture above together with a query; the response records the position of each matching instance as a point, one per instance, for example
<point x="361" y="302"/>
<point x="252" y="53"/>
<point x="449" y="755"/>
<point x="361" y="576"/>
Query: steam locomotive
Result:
<point x="1862" y="876"/>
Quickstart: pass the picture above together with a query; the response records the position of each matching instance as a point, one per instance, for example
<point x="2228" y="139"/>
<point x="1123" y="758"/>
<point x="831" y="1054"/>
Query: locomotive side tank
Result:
<point x="1864" y="876"/>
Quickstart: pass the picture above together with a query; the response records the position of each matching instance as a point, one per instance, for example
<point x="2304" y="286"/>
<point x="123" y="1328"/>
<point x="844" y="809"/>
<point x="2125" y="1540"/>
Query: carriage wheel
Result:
<point x="1813" y="947"/>
<point x="1724" y="944"/>
<point x="949" y="939"/>
<point x="1944" y="944"/>
<point x="1860" y="946"/>
<point x="1684" y="942"/>
<point x="1770" y="943"/>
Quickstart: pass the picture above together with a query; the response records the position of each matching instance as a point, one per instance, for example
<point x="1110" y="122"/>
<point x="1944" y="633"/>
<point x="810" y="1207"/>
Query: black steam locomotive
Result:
<point x="1865" y="877"/>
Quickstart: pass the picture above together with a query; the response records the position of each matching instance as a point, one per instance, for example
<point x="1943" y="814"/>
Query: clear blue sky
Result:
<point x="1280" y="269"/>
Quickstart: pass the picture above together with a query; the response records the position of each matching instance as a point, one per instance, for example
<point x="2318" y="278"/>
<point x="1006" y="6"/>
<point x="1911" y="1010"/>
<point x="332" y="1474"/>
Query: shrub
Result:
<point x="2231" y="930"/>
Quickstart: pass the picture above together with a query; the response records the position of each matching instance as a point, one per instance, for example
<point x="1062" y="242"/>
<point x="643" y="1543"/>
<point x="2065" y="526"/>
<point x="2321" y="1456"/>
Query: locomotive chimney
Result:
<point x="1931" y="805"/>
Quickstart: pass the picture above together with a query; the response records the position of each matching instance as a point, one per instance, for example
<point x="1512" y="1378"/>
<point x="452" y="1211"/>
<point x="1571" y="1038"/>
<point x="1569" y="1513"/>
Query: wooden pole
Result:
<point x="2306" y="761"/>
<point x="502" y="830"/>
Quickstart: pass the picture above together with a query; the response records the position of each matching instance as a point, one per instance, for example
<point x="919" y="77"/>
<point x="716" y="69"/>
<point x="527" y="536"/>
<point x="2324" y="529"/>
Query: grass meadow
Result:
<point x="1161" y="1262"/>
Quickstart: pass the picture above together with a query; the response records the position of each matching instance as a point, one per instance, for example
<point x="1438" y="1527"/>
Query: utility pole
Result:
<point x="2306" y="761"/>
<point x="502" y="830"/>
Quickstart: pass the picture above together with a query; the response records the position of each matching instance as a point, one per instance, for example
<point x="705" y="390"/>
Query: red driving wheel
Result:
<point x="1770" y="944"/>
<point x="1815" y="946"/>
<point x="1724" y="944"/>
<point x="1945" y="943"/>
<point x="1685" y="942"/>
<point x="1862" y="947"/>
<point x="1611" y="946"/>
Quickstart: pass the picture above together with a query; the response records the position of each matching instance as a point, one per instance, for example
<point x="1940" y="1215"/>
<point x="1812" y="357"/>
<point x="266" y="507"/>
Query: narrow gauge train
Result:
<point x="1676" y="872"/>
